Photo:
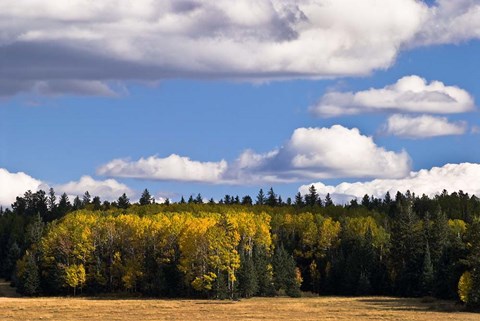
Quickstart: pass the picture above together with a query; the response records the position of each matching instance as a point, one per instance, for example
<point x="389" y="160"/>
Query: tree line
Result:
<point x="406" y="245"/>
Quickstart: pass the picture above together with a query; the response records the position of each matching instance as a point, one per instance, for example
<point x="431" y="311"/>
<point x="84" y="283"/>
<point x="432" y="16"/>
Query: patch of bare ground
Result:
<point x="315" y="308"/>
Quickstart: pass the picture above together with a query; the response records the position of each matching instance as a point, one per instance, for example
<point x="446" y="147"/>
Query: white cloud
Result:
<point x="245" y="39"/>
<point x="452" y="177"/>
<point x="423" y="126"/>
<point x="408" y="94"/>
<point x="15" y="184"/>
<point x="450" y="22"/>
<point x="108" y="189"/>
<point x="310" y="153"/>
<point x="173" y="167"/>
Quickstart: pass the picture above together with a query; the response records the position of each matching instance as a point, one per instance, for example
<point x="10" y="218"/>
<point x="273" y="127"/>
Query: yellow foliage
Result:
<point x="465" y="286"/>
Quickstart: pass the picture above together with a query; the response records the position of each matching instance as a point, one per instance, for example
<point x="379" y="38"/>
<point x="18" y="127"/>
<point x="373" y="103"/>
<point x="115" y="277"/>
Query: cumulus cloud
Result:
<point x="310" y="153"/>
<point x="450" y="22"/>
<point x="452" y="177"/>
<point x="49" y="40"/>
<point x="173" y="167"/>
<point x="423" y="126"/>
<point x="15" y="184"/>
<point x="408" y="94"/>
<point x="108" y="189"/>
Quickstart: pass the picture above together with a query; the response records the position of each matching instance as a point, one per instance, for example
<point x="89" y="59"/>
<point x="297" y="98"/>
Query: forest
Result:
<point x="402" y="245"/>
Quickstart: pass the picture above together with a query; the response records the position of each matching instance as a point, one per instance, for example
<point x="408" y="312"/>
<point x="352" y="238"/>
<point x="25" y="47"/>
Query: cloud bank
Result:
<point x="452" y="177"/>
<point x="310" y="153"/>
<point x="450" y="22"/>
<point x="15" y="184"/>
<point x="46" y="41"/>
<point x="409" y="94"/>
<point x="423" y="126"/>
<point x="108" y="189"/>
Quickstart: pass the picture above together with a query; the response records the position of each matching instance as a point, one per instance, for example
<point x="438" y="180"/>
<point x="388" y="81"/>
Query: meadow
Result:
<point x="311" y="308"/>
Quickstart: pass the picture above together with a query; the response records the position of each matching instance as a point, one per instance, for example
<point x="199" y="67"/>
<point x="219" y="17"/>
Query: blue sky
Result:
<point x="79" y="101"/>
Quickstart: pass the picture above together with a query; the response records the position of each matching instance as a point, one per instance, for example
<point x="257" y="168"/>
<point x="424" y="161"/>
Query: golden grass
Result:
<point x="317" y="308"/>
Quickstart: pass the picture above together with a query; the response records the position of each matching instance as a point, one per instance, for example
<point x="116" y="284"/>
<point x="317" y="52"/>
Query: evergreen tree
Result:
<point x="29" y="283"/>
<point x="407" y="252"/>
<point x="264" y="272"/>
<point x="191" y="200"/>
<point x="199" y="199"/>
<point x="182" y="200"/>
<point x="146" y="198"/>
<point x="427" y="273"/>
<point x="247" y="277"/>
<point x="285" y="273"/>
<point x="64" y="205"/>
<point x="86" y="199"/>
<point x="311" y="199"/>
<point x="247" y="200"/>
<point x="298" y="200"/>
<point x="328" y="200"/>
<point x="97" y="204"/>
<point x="123" y="202"/>
<point x="473" y="301"/>
<point x="77" y="203"/>
<point x="51" y="200"/>
<point x="260" y="198"/>
<point x="271" y="198"/>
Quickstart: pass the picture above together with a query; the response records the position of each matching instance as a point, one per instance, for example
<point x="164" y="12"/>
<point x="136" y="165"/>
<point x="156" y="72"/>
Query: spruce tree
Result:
<point x="260" y="198"/>
<point x="30" y="278"/>
<point x="247" y="276"/>
<point x="146" y="198"/>
<point x="427" y="273"/>
<point x="271" y="198"/>
<point x="298" y="200"/>
<point x="123" y="202"/>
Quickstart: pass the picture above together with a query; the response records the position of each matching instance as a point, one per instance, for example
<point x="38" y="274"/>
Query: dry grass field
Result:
<point x="323" y="308"/>
<point x="14" y="308"/>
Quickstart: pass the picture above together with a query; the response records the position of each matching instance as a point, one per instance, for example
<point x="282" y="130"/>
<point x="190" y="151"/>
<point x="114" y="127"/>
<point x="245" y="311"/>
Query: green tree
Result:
<point x="29" y="277"/>
<point x="247" y="277"/>
<point x="427" y="277"/>
<point x="146" y="198"/>
<point x="271" y="198"/>
<point x="123" y="202"/>
<point x="260" y="198"/>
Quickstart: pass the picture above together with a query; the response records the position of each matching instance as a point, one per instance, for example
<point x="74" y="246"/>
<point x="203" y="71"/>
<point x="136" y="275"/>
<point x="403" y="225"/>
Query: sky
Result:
<point x="220" y="97"/>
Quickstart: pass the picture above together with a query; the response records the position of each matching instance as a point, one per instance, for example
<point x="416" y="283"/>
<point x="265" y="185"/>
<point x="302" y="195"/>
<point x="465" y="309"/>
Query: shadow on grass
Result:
<point x="415" y="304"/>
<point x="6" y="291"/>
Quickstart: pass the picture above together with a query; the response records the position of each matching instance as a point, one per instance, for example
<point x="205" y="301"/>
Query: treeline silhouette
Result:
<point x="406" y="245"/>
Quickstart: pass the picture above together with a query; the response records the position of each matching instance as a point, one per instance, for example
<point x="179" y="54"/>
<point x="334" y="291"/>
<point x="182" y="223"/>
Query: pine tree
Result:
<point x="86" y="199"/>
<point x="247" y="200"/>
<point x="260" y="198"/>
<point x="264" y="271"/>
<point x="271" y="198"/>
<point x="247" y="277"/>
<point x="199" y="199"/>
<point x="51" y="200"/>
<point x="123" y="202"/>
<point x="146" y="198"/>
<point x="311" y="199"/>
<point x="298" y="200"/>
<point x="77" y="203"/>
<point x="97" y="203"/>
<point x="285" y="273"/>
<point x="30" y="277"/>
<point x="328" y="200"/>
<point x="427" y="273"/>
